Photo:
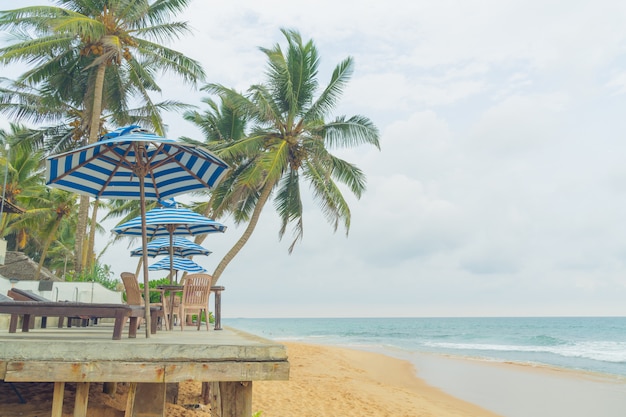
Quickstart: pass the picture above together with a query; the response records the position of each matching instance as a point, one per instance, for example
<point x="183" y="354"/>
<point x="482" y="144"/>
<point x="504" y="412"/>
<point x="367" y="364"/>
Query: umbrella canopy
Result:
<point x="181" y="247"/>
<point x="131" y="163"/>
<point x="180" y="264"/>
<point x="163" y="221"/>
<point x="114" y="167"/>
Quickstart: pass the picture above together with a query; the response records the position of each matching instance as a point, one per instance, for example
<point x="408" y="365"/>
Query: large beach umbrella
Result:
<point x="180" y="264"/>
<point x="131" y="163"/>
<point x="180" y="247"/>
<point x="170" y="222"/>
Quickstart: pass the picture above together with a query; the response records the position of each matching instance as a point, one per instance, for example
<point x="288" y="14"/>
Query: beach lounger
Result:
<point x="26" y="295"/>
<point x="120" y="312"/>
<point x="23" y="295"/>
<point x="5" y="298"/>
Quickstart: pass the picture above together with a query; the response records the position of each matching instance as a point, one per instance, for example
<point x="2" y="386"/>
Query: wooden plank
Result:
<point x="149" y="400"/>
<point x="227" y="371"/>
<point x="82" y="397"/>
<point x="108" y="371"/>
<point x="57" y="399"/>
<point x="130" y="400"/>
<point x="3" y="369"/>
<point x="235" y="399"/>
<point x="112" y="371"/>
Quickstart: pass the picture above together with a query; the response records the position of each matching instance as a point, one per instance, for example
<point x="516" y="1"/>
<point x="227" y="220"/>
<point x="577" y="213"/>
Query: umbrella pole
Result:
<point x="144" y="244"/>
<point x="171" y="274"/>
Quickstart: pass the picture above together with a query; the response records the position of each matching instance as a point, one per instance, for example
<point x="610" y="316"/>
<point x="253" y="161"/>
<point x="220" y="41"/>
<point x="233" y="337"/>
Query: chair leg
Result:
<point x="165" y="318"/>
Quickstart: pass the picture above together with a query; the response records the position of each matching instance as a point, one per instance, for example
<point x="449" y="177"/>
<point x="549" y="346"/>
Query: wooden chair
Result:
<point x="134" y="294"/>
<point x="195" y="299"/>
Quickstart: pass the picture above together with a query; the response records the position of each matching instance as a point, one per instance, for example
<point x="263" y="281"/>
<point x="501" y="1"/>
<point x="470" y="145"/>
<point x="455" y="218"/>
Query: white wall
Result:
<point x="85" y="292"/>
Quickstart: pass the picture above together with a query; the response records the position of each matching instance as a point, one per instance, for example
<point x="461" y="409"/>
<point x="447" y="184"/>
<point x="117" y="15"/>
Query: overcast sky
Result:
<point x="500" y="188"/>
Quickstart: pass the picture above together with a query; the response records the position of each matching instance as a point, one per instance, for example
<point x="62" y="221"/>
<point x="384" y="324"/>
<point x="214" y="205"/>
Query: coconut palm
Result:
<point x="24" y="179"/>
<point x="54" y="207"/>
<point x="221" y="123"/>
<point x="290" y="142"/>
<point x="86" y="38"/>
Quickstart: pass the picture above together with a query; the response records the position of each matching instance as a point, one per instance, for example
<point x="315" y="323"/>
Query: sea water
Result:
<point x="595" y="344"/>
<point x="438" y="348"/>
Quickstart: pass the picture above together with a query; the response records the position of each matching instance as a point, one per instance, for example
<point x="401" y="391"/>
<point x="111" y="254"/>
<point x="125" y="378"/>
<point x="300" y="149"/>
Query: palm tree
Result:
<point x="54" y="208"/>
<point x="23" y="180"/>
<point x="87" y="37"/>
<point x="220" y="123"/>
<point x="290" y="141"/>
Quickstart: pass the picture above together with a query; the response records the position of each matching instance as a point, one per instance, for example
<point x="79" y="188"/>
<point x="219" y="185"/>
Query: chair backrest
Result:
<point x="196" y="290"/>
<point x="133" y="292"/>
<point x="25" y="295"/>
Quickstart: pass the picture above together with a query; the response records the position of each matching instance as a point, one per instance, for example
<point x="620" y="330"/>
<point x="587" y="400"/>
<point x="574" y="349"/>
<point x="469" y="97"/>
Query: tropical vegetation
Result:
<point x="288" y="142"/>
<point x="90" y="59"/>
<point x="92" y="56"/>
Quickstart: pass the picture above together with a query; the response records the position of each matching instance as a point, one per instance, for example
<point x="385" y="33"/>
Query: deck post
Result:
<point x="231" y="399"/>
<point x="82" y="397"/>
<point x="57" y="399"/>
<point x="145" y="399"/>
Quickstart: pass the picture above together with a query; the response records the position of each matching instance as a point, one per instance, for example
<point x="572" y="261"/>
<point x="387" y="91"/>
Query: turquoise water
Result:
<point x="596" y="344"/>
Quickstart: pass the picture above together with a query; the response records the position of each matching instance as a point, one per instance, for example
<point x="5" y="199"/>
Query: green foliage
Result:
<point x="98" y="273"/>
<point x="155" y="296"/>
<point x="257" y="414"/>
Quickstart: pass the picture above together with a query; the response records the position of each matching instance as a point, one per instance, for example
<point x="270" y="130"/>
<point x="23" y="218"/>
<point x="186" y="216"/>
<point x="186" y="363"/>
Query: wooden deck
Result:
<point x="229" y="359"/>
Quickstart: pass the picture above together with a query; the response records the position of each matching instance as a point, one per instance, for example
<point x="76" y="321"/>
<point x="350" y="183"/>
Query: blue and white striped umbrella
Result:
<point x="162" y="221"/>
<point x="131" y="163"/>
<point x="113" y="167"/>
<point x="180" y="247"/>
<point x="180" y="264"/>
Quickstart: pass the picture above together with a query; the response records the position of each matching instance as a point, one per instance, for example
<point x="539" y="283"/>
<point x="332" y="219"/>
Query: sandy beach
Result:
<point x="324" y="381"/>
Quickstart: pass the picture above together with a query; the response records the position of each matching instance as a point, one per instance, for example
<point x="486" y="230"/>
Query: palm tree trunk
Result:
<point x="254" y="219"/>
<point x="81" y="229"/>
<point x="94" y="129"/>
<point x="92" y="236"/>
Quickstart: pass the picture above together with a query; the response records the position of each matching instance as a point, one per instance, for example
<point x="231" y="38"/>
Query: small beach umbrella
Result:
<point x="132" y="163"/>
<point x="170" y="222"/>
<point x="180" y="264"/>
<point x="180" y="247"/>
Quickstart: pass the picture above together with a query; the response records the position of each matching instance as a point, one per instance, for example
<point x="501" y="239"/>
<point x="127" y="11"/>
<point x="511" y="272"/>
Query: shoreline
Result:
<point x="329" y="380"/>
<point x="519" y="390"/>
<point x="516" y="389"/>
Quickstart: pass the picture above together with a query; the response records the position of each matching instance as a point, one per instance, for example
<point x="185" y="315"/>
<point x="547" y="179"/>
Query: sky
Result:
<point x="500" y="185"/>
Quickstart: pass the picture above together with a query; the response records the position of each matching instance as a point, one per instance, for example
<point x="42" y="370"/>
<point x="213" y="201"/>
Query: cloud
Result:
<point x="499" y="187"/>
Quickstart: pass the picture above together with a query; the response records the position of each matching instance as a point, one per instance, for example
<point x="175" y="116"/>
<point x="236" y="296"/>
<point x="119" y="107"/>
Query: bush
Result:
<point x="98" y="273"/>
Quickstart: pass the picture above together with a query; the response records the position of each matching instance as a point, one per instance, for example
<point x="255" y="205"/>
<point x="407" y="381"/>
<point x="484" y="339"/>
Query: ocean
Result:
<point x="595" y="344"/>
<point x="439" y="347"/>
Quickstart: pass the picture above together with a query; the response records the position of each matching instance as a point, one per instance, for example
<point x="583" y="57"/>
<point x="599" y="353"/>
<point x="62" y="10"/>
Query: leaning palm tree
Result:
<point x="87" y="37"/>
<point x="290" y="142"/>
<point x="221" y="123"/>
